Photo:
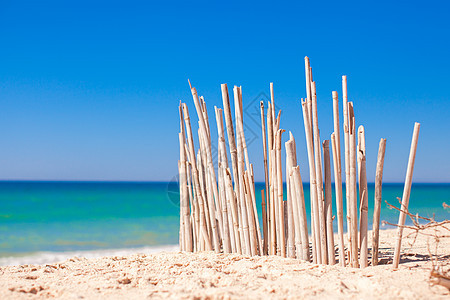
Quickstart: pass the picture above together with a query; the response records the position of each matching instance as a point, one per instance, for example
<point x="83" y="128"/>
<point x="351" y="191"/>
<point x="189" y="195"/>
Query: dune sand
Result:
<point x="208" y="275"/>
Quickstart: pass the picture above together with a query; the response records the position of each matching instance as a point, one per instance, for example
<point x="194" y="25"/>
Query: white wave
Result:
<point x="40" y="258"/>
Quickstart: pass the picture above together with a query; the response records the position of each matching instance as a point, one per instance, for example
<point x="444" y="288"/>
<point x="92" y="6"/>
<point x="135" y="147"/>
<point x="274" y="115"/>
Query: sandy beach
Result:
<point x="207" y="275"/>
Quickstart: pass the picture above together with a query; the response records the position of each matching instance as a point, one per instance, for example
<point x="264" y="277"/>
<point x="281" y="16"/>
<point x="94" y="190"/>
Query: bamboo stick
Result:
<point x="315" y="235"/>
<point x="271" y="243"/>
<point x="339" y="208"/>
<point x="377" y="205"/>
<point x="203" y="229"/>
<point x="273" y="206"/>
<point x="294" y="225"/>
<point x="347" y="158"/>
<point x="319" y="180"/>
<point x="181" y="230"/>
<point x="352" y="188"/>
<point x="266" y="179"/>
<point x="251" y="216"/>
<point x="302" y="213"/>
<point x="265" y="225"/>
<point x="328" y="203"/>
<point x="363" y="221"/>
<point x="184" y="203"/>
<point x="222" y="166"/>
<point x="291" y="224"/>
<point x="406" y="194"/>
<point x="241" y="170"/>
<point x="280" y="192"/>
<point x="234" y="210"/>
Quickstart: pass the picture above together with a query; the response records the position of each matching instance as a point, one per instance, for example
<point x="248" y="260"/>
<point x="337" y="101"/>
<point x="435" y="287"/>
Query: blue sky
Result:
<point x="89" y="90"/>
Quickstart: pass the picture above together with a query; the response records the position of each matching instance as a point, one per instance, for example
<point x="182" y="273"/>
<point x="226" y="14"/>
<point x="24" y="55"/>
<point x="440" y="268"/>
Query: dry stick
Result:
<point x="406" y="194"/>
<point x="234" y="210"/>
<point x="377" y="205"/>
<point x="270" y="221"/>
<point x="291" y="227"/>
<point x="352" y="188"/>
<point x="312" y="184"/>
<point x="196" y="179"/>
<point x="302" y="212"/>
<point x="363" y="199"/>
<point x="264" y="217"/>
<point x="181" y="240"/>
<point x="273" y="207"/>
<point x="328" y="202"/>
<point x="266" y="178"/>
<point x="233" y="152"/>
<point x="209" y="193"/>
<point x="184" y="203"/>
<point x="318" y="163"/>
<point x="241" y="170"/>
<point x="251" y="216"/>
<point x="194" y="208"/>
<point x="339" y="208"/>
<point x="336" y="146"/>
<point x="292" y="198"/>
<point x="221" y="168"/>
<point x="280" y="192"/>
<point x="200" y="167"/>
<point x="210" y="167"/>
<point x="347" y="159"/>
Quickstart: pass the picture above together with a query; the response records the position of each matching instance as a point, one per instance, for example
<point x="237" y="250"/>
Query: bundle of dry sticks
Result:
<point x="218" y="211"/>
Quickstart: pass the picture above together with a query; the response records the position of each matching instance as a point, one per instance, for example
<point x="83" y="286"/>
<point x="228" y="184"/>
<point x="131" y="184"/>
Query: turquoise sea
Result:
<point x="39" y="217"/>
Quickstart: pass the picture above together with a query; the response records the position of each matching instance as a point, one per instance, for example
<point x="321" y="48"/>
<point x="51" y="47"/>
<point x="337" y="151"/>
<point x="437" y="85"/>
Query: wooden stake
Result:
<point x="291" y="226"/>
<point x="363" y="222"/>
<point x="406" y="194"/>
<point x="280" y="193"/>
<point x="352" y="188"/>
<point x="318" y="163"/>
<point x="328" y="203"/>
<point x="377" y="205"/>
<point x="315" y="235"/>
<point x="302" y="212"/>
<point x="339" y="208"/>
<point x="266" y="178"/>
<point x="223" y="162"/>
<point x="347" y="158"/>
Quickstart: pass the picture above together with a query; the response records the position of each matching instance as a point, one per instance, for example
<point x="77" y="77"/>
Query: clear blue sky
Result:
<point x="89" y="90"/>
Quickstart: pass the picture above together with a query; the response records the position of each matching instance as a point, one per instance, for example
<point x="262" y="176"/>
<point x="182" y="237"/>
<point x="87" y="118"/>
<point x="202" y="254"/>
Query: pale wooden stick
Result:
<point x="315" y="235"/>
<point x="319" y="180"/>
<point x="377" y="205"/>
<point x="291" y="224"/>
<point x="195" y="221"/>
<point x="201" y="168"/>
<point x="241" y="170"/>
<point x="196" y="179"/>
<point x="222" y="166"/>
<point x="294" y="224"/>
<point x="352" y="188"/>
<point x="347" y="159"/>
<point x="266" y="178"/>
<point x="271" y="243"/>
<point x="233" y="151"/>
<point x="406" y="194"/>
<point x="363" y="199"/>
<point x="265" y="225"/>
<point x="181" y="230"/>
<point x="339" y="208"/>
<point x="209" y="194"/>
<point x="251" y="216"/>
<point x="234" y="210"/>
<point x="184" y="203"/>
<point x="273" y="206"/>
<point x="328" y="202"/>
<point x="280" y="192"/>
<point x="302" y="212"/>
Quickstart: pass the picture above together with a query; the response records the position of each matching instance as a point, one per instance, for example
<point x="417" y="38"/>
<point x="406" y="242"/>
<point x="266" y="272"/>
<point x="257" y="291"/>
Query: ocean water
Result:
<point x="47" y="221"/>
